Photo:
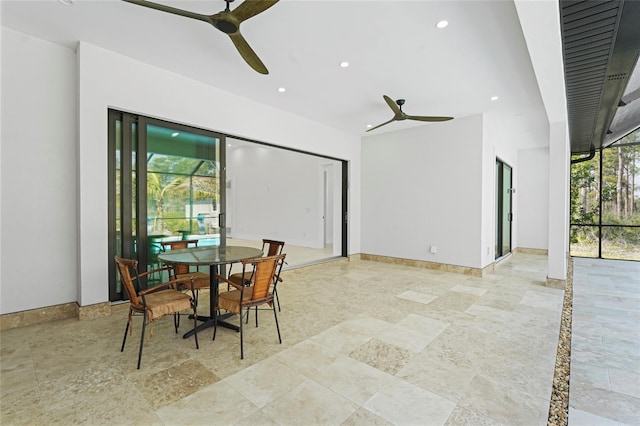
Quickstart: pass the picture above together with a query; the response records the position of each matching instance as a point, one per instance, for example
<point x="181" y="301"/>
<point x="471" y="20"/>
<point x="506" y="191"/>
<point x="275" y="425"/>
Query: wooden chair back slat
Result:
<point x="264" y="272"/>
<point x="262" y="278"/>
<point x="125" y="266"/>
<point x="176" y="245"/>
<point x="274" y="247"/>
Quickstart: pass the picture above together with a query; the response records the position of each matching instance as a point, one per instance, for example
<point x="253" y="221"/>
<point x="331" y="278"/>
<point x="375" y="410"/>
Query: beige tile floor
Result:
<point x="605" y="343"/>
<point x="364" y="343"/>
<point x="296" y="255"/>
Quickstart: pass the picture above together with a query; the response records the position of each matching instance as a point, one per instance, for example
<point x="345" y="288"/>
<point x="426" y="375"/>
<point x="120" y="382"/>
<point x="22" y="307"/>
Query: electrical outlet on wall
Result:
<point x="433" y="249"/>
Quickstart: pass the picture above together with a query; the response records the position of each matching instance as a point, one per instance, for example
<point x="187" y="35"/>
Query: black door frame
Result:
<point x="127" y="166"/>
<point x="500" y="191"/>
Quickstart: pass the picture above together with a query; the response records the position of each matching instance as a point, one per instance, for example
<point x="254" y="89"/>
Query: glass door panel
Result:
<point x="182" y="187"/>
<point x="498" y="206"/>
<point x="504" y="215"/>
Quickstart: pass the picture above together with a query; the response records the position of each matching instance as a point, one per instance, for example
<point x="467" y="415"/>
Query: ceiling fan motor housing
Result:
<point x="226" y="26"/>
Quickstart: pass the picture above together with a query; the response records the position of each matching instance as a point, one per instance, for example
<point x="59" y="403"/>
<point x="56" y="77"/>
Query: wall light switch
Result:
<point x="434" y="249"/>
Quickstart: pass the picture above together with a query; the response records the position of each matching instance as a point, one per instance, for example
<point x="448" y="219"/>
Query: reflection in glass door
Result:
<point x="168" y="174"/>
<point x="504" y="215"/>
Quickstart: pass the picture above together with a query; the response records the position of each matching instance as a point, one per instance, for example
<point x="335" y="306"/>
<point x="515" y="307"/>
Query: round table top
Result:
<point x="209" y="255"/>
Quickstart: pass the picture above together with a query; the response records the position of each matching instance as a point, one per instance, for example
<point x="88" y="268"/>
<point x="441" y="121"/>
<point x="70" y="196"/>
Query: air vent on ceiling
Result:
<point x="620" y="76"/>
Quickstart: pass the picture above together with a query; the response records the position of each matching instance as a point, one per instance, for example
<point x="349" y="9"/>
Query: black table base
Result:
<point x="208" y="322"/>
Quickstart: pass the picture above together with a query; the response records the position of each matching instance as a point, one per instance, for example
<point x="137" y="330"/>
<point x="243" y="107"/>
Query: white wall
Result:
<point x="501" y="141"/>
<point x="559" y="168"/>
<point x="423" y="186"/>
<point x="38" y="266"/>
<point x="488" y="209"/>
<point x="107" y="79"/>
<point x="533" y="196"/>
<point x="1" y="168"/>
<point x="277" y="194"/>
<point x="505" y="139"/>
<point x="55" y="219"/>
<point x="435" y="185"/>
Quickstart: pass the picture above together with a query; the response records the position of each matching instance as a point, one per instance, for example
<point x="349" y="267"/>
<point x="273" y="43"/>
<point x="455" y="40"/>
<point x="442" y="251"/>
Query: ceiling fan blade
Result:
<point x="251" y="8"/>
<point x="169" y="9"/>
<point x="427" y="118"/>
<point x="380" y="125"/>
<point x="393" y="105"/>
<point x="247" y="53"/>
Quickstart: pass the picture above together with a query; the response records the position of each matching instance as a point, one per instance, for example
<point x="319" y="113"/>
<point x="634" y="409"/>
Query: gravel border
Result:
<point x="559" y="405"/>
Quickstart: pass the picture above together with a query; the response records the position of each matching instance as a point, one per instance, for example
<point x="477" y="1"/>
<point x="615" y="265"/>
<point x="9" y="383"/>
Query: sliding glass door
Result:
<point x="169" y="181"/>
<point x="164" y="185"/>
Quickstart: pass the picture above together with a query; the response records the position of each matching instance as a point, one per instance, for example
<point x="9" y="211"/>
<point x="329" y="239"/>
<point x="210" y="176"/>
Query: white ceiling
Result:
<point x="393" y="48"/>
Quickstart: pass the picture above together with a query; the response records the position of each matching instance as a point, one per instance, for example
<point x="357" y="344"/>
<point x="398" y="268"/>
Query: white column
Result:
<point x="559" y="163"/>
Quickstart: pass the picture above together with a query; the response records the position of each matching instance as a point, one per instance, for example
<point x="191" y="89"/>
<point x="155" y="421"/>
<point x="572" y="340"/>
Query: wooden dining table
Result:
<point x="213" y="256"/>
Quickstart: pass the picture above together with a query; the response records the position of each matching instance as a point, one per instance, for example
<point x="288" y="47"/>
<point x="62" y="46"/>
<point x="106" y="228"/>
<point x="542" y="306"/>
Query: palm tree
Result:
<point x="157" y="186"/>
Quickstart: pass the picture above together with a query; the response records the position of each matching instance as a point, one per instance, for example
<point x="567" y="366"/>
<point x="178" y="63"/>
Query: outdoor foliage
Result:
<point x="610" y="196"/>
<point x="173" y="183"/>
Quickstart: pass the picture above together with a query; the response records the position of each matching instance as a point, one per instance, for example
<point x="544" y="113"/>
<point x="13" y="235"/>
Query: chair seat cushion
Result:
<point x="230" y="300"/>
<point x="201" y="279"/>
<point x="166" y="302"/>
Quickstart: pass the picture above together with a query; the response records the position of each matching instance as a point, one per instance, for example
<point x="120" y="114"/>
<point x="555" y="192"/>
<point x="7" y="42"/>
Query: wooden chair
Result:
<point x="273" y="248"/>
<point x="154" y="302"/>
<point x="259" y="292"/>
<point x="180" y="272"/>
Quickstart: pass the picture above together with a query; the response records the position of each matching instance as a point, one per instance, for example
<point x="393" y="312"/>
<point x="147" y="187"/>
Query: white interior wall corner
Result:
<point x="422" y="187"/>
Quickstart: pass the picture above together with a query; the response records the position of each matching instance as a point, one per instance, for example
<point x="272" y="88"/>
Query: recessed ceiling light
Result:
<point x="281" y="89"/>
<point x="66" y="2"/>
<point x="369" y="126"/>
<point x="494" y="98"/>
<point x="174" y="134"/>
<point x="442" y="24"/>
<point x="229" y="145"/>
<point x="344" y="64"/>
